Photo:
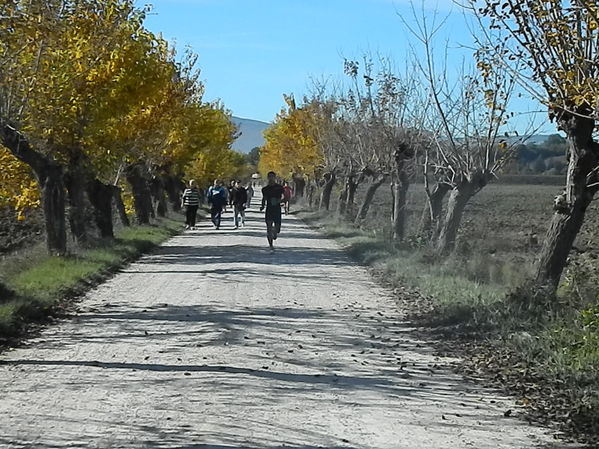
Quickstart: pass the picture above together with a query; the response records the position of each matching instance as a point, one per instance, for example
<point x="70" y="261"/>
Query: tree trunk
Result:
<point x="300" y="186"/>
<point x="343" y="196"/>
<point x="570" y="207"/>
<point x="433" y="208"/>
<point x="173" y="187"/>
<point x="158" y="194"/>
<point x="136" y="175"/>
<point x="311" y="191"/>
<point x="400" y="193"/>
<point x="50" y="177"/>
<point x="458" y="198"/>
<point x="120" y="206"/>
<point x="325" y="197"/>
<point x="370" y="192"/>
<point x="76" y="183"/>
<point x="351" y="199"/>
<point x="5" y="293"/>
<point x="100" y="195"/>
<point x="51" y="180"/>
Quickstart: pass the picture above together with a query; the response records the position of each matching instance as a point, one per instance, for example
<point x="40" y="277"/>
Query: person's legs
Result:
<point x="237" y="213"/>
<point x="277" y="223"/>
<point x="219" y="212"/>
<point x="213" y="212"/>
<point x="269" y="231"/>
<point x="188" y="217"/>
<point x="242" y="213"/>
<point x="193" y="211"/>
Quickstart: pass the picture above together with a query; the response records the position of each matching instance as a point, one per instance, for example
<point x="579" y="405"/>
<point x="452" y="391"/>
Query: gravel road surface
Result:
<point x="213" y="342"/>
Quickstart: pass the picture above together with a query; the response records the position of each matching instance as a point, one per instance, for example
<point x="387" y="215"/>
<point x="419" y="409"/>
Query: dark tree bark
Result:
<point x="174" y="187"/>
<point x="311" y="191"/>
<point x="570" y="207"/>
<point x="431" y="214"/>
<point x="400" y="193"/>
<point x="351" y="198"/>
<point x="345" y="208"/>
<point x="137" y="177"/>
<point x="325" y="197"/>
<point x="157" y="188"/>
<point x="300" y="186"/>
<point x="50" y="177"/>
<point x="120" y="206"/>
<point x="370" y="192"/>
<point x="458" y="199"/>
<point x="5" y="293"/>
<point x="401" y="184"/>
<point x="53" y="203"/>
<point x="101" y="196"/>
<point x="342" y="203"/>
<point x="76" y="181"/>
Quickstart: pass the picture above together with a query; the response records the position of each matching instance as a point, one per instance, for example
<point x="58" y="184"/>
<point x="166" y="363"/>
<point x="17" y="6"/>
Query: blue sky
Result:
<point x="253" y="51"/>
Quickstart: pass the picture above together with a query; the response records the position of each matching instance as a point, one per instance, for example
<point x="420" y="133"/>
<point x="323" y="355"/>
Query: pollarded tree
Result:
<point x="22" y="28"/>
<point x="386" y="114"/>
<point x="302" y="143"/>
<point x="558" y="41"/>
<point x="61" y="60"/>
<point x="468" y="148"/>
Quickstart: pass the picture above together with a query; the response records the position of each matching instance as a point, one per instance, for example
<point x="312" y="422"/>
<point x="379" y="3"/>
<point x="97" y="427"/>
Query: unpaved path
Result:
<point x="213" y="342"/>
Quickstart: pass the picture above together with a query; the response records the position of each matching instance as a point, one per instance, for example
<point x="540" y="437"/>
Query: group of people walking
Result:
<point x="274" y="197"/>
<point x="236" y="196"/>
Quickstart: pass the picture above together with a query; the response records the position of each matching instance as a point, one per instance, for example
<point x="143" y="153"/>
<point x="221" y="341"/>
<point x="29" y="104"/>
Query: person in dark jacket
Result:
<point x="191" y="202"/>
<point x="250" y="192"/>
<point x="217" y="197"/>
<point x="272" y="196"/>
<point x="239" y="198"/>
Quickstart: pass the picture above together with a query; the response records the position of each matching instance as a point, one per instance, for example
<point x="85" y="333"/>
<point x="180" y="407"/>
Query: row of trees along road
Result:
<point x="382" y="126"/>
<point x="92" y="102"/>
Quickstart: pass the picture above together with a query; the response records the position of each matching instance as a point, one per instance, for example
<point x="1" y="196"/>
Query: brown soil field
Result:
<point x="503" y="226"/>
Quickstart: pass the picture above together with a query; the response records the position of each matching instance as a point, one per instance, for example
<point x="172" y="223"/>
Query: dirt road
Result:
<point x="213" y="342"/>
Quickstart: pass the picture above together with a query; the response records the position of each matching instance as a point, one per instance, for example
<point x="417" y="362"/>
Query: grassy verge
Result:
<point x="39" y="284"/>
<point x="544" y="350"/>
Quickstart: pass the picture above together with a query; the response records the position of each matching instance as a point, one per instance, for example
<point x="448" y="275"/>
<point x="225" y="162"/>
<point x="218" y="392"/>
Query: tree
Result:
<point x="87" y="95"/>
<point x="253" y="157"/>
<point x="208" y="166"/>
<point x="61" y="61"/>
<point x="468" y="150"/>
<point x="557" y="41"/>
<point x="18" y="187"/>
<point x="291" y="144"/>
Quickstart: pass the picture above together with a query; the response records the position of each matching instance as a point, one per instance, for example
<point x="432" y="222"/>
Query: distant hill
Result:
<point x="251" y="134"/>
<point x="535" y="139"/>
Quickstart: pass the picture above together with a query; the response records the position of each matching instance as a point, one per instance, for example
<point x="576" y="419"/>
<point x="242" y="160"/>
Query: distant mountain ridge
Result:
<point x="251" y="134"/>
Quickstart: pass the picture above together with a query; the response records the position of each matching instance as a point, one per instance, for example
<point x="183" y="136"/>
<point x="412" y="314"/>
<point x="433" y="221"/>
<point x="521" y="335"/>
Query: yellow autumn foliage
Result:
<point x="292" y="143"/>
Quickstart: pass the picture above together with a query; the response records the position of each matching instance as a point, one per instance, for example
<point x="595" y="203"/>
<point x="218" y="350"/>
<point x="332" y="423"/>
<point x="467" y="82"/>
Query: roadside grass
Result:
<point x="543" y="349"/>
<point x="454" y="298"/>
<point x="40" y="283"/>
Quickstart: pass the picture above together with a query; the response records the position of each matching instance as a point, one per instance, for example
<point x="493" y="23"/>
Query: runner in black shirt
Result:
<point x="272" y="195"/>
